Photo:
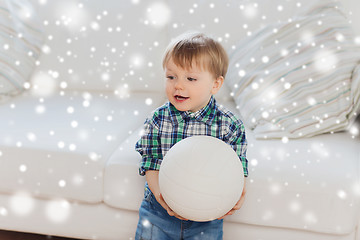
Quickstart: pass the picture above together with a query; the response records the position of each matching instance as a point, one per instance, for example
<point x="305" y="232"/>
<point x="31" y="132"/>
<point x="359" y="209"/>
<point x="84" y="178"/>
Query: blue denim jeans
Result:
<point x="156" y="224"/>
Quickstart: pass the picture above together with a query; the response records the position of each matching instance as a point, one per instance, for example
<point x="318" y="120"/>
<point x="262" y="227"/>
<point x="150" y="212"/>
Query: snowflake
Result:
<point x="158" y="14"/>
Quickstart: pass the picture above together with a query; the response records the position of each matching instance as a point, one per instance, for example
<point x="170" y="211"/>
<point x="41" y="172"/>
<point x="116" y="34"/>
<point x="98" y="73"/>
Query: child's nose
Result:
<point x="178" y="85"/>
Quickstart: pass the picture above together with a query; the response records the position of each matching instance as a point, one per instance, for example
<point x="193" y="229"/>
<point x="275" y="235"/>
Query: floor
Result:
<point x="8" y="235"/>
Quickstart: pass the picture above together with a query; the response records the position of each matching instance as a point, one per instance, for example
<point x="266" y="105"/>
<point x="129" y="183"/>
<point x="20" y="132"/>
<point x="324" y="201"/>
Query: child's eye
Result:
<point x="191" y="79"/>
<point x="170" y="77"/>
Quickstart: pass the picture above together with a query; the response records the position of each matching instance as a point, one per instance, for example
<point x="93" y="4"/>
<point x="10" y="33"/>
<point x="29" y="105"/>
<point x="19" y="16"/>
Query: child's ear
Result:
<point x="217" y="84"/>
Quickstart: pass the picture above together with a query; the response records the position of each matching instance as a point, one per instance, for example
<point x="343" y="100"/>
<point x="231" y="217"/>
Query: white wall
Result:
<point x="352" y="9"/>
<point x="101" y="45"/>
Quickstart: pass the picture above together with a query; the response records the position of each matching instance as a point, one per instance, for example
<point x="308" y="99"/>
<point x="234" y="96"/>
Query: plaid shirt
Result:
<point x="168" y="126"/>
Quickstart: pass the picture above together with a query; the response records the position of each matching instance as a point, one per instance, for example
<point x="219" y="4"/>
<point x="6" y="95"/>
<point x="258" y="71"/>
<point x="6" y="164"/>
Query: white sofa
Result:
<point x="67" y="161"/>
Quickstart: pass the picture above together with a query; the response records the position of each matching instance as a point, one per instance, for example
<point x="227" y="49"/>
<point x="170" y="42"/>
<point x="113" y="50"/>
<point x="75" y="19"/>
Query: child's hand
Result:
<point x="152" y="177"/>
<point x="162" y="202"/>
<point x="237" y="205"/>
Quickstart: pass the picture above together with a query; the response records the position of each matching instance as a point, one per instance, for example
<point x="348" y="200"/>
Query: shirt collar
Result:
<point x="206" y="114"/>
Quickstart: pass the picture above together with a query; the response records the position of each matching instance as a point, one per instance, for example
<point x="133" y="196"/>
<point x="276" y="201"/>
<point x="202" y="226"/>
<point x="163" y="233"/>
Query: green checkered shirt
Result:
<point x="168" y="126"/>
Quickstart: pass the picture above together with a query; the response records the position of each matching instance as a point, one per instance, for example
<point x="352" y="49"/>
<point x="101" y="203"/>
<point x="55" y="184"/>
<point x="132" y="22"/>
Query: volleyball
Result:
<point x="201" y="178"/>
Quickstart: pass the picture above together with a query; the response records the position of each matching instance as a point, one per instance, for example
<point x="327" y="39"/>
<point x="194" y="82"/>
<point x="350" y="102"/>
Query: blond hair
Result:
<point x="196" y="48"/>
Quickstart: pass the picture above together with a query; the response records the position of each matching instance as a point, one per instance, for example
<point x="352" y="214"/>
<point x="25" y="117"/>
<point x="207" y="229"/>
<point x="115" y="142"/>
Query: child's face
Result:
<point x="190" y="89"/>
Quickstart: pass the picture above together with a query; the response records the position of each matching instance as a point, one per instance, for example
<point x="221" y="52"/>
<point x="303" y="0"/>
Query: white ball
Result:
<point x="201" y="178"/>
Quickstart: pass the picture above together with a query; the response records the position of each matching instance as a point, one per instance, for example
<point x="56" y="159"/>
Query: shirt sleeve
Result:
<point x="149" y="147"/>
<point x="237" y="139"/>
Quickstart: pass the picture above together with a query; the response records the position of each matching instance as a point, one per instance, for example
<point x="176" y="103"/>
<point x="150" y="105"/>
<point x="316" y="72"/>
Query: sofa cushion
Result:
<point x="58" y="146"/>
<point x="307" y="184"/>
<point x="123" y="186"/>
<point x="310" y="184"/>
<point x="298" y="78"/>
<point x="21" y="39"/>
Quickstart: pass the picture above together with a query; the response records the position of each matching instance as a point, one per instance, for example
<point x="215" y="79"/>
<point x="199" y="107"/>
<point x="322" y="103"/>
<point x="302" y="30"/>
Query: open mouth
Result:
<point x="180" y="98"/>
